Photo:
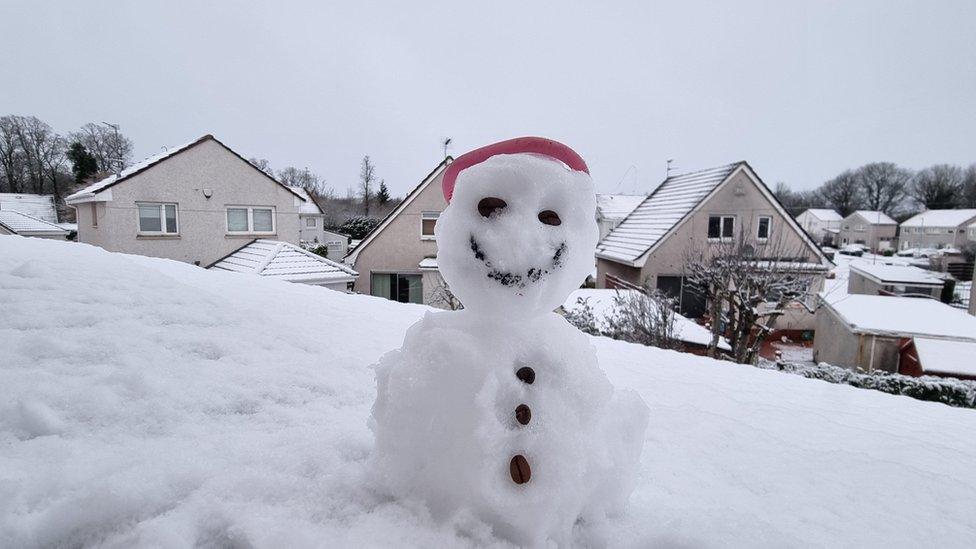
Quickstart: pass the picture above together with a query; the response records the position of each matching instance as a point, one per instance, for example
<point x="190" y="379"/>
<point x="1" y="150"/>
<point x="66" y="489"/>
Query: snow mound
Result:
<point x="196" y="408"/>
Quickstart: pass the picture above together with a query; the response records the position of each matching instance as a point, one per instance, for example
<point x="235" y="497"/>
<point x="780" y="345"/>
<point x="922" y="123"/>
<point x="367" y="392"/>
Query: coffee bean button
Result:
<point x="526" y="374"/>
<point x="523" y="414"/>
<point x="519" y="468"/>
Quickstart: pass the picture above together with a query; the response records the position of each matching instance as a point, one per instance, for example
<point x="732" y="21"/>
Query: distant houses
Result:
<point x="32" y="215"/>
<point x="312" y="228"/>
<point x="697" y="211"/>
<point x="821" y="224"/>
<point x="871" y="229"/>
<point x="938" y="229"/>
<point x="194" y="203"/>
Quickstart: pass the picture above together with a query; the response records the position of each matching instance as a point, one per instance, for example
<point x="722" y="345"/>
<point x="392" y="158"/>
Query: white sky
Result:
<point x="801" y="90"/>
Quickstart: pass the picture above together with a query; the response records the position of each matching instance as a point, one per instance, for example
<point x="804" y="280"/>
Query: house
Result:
<point x="873" y="229"/>
<point x="694" y="337"/>
<point x="899" y="280"/>
<point x="286" y="261"/>
<point x="937" y="229"/>
<point x="312" y="231"/>
<point x="398" y="258"/>
<point x="822" y="225"/>
<point x="869" y="331"/>
<point x="40" y="206"/>
<point x="612" y="209"/>
<point x="694" y="211"/>
<point x="14" y="222"/>
<point x="194" y="203"/>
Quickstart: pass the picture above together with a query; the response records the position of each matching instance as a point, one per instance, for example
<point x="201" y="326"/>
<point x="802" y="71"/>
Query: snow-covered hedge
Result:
<point x="954" y="392"/>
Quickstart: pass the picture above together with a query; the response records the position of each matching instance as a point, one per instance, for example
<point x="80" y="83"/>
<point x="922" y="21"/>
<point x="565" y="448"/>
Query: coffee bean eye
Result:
<point x="549" y="217"/>
<point x="490" y="205"/>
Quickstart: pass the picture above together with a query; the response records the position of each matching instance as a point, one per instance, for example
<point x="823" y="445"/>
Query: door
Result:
<point x="690" y="303"/>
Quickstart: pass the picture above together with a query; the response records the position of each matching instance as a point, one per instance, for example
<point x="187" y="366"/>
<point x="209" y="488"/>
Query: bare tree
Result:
<point x="308" y="180"/>
<point x="366" y="177"/>
<point x="883" y="185"/>
<point x="747" y="286"/>
<point x="111" y="149"/>
<point x="13" y="162"/>
<point x="843" y="193"/>
<point x="441" y="296"/>
<point x="938" y="187"/>
<point x="969" y="187"/>
<point x="262" y="164"/>
<point x="646" y="317"/>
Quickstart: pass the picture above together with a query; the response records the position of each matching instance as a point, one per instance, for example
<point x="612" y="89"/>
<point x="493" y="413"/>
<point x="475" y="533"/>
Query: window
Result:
<point x="859" y="228"/>
<point x="94" y="214"/>
<point x="310" y="222"/>
<point x="764" y="227"/>
<point x="157" y="219"/>
<point x="721" y="226"/>
<point x="250" y="220"/>
<point x="427" y="222"/>
<point x="405" y="288"/>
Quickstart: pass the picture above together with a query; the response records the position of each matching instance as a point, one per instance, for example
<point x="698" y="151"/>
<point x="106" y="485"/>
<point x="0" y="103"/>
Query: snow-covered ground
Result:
<point x="151" y="403"/>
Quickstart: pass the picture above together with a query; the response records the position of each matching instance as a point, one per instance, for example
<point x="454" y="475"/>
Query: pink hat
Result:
<point x="535" y="145"/>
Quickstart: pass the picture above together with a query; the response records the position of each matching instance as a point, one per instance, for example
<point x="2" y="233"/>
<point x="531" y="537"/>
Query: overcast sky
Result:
<point x="800" y="90"/>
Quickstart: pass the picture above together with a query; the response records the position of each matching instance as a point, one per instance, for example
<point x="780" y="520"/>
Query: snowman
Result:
<point x="498" y="415"/>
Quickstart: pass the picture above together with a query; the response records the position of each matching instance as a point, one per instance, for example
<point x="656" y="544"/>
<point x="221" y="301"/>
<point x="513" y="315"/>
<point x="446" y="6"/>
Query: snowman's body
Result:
<point x="500" y="412"/>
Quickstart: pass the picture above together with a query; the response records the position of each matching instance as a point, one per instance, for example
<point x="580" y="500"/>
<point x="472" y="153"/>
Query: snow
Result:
<point x="273" y="258"/>
<point x="21" y="223"/>
<point x="602" y="304"/>
<point x="309" y="207"/>
<point x="946" y="357"/>
<point x="449" y="430"/>
<point x="40" y="206"/>
<point x="940" y="218"/>
<point x="897" y="274"/>
<point x="875" y="217"/>
<point x="167" y="405"/>
<point x="902" y="316"/>
<point x="617" y="206"/>
<point x="824" y="215"/>
<point x="427" y="264"/>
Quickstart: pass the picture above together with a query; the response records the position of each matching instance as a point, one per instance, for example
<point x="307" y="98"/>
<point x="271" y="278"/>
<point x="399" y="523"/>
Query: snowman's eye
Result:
<point x="488" y="206"/>
<point x="549" y="217"/>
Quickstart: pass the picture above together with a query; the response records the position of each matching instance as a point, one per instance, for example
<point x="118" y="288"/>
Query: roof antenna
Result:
<point x="668" y="168"/>
<point x="446" y="143"/>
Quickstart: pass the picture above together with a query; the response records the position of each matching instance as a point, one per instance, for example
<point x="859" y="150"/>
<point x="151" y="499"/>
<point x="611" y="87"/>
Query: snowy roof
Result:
<point x="824" y="215"/>
<point x="149" y="162"/>
<point x="670" y="202"/>
<point x="310" y="206"/>
<point x="286" y="261"/>
<point x="427" y="263"/>
<point x="40" y="206"/>
<point x="940" y="356"/>
<point x="875" y="218"/>
<point x="897" y="274"/>
<point x="902" y="316"/>
<point x="617" y="206"/>
<point x="24" y="224"/>
<point x="940" y="218"/>
<point x="602" y="304"/>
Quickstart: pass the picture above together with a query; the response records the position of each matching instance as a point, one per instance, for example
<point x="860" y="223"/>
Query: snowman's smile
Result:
<point x="518" y="280"/>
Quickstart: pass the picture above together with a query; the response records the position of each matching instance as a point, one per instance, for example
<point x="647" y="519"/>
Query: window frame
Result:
<point x="428" y="215"/>
<point x="162" y="219"/>
<point x="769" y="227"/>
<point x="314" y="224"/>
<point x="250" y="220"/>
<point x="721" y="228"/>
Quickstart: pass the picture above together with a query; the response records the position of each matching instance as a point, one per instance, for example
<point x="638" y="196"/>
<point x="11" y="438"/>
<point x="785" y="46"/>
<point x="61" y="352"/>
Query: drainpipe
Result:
<point x="871" y="360"/>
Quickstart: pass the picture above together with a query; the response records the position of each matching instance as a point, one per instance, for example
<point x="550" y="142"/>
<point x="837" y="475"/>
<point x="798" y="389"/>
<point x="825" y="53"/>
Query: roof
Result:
<point x="151" y="161"/>
<point x="657" y="214"/>
<point x="273" y="258"/>
<point x="40" y="206"/>
<point x="603" y="305"/>
<point x="617" y="206"/>
<point x="940" y="356"/>
<point x="23" y="224"/>
<point x="940" y="218"/>
<point x="428" y="264"/>
<point x="897" y="274"/>
<point x="901" y="316"/>
<point x="875" y="218"/>
<point x="824" y="215"/>
<point x="358" y="246"/>
<point x="310" y="206"/>
<point x="671" y="203"/>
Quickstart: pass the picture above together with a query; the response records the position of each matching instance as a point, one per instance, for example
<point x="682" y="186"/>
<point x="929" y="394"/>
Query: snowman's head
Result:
<point x="520" y="230"/>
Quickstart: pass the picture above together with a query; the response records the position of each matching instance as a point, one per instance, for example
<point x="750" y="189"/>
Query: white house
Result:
<point x="193" y="203"/>
<point x="13" y="222"/>
<point x="312" y="231"/>
<point x="285" y="261"/>
<point x="873" y="229"/>
<point x="822" y="225"/>
<point x="937" y="229"/>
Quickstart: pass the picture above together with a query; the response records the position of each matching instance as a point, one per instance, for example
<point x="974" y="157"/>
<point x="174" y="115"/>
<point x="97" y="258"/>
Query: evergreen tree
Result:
<point x="383" y="195"/>
<point x="83" y="164"/>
